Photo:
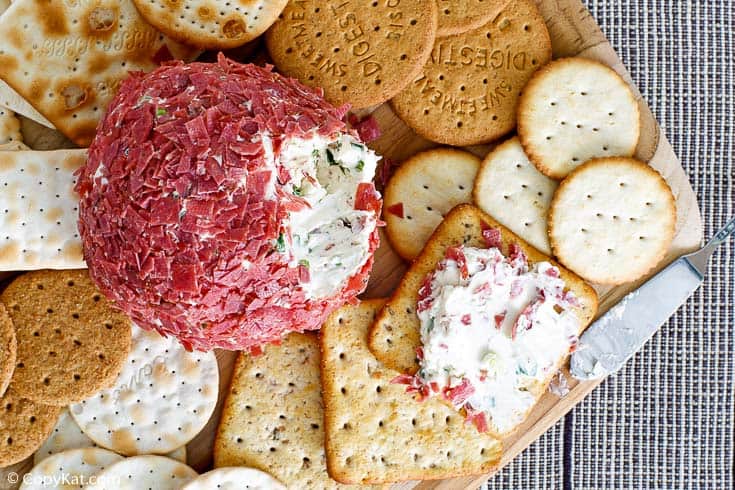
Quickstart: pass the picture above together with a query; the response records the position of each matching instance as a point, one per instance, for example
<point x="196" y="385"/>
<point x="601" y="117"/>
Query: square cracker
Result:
<point x="378" y="433"/>
<point x="67" y="58"/>
<point x="395" y="335"/>
<point x="38" y="210"/>
<point x="273" y="416"/>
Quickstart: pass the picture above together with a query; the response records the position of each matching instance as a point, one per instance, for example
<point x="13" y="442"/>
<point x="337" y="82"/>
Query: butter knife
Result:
<point x="618" y="334"/>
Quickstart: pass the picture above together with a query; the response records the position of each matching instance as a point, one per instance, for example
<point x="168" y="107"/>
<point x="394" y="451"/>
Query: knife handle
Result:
<point x="700" y="258"/>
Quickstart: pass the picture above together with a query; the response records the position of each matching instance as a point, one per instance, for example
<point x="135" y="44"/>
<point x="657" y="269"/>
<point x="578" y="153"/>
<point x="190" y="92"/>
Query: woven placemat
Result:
<point x="666" y="420"/>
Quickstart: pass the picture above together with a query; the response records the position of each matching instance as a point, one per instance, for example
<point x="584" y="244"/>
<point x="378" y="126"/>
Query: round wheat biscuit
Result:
<point x="458" y="16"/>
<point x="67" y="435"/>
<point x="24" y="425"/>
<point x="235" y="478"/>
<point x="77" y="467"/>
<point x="144" y="472"/>
<point x="361" y="53"/>
<point x="162" y="398"/>
<point x="421" y="191"/>
<point x="573" y="110"/>
<point x="468" y="91"/>
<point x="510" y="189"/>
<point x="211" y="24"/>
<point x="612" y="220"/>
<point x="71" y="343"/>
<point x="8" y="349"/>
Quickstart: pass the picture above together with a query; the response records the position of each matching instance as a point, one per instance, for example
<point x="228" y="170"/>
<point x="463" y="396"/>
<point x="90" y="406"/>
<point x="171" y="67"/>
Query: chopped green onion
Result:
<point x="358" y="146"/>
<point x="330" y="158"/>
<point x="360" y="166"/>
<point x="297" y="191"/>
<point x="430" y="325"/>
<point x="304" y="262"/>
<point x="281" y="243"/>
<point x="160" y="111"/>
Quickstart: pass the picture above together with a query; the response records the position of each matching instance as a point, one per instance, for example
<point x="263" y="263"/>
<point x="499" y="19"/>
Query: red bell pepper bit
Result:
<point x="456" y="254"/>
<point x="396" y="210"/>
<point x="460" y="393"/>
<point x="491" y="235"/>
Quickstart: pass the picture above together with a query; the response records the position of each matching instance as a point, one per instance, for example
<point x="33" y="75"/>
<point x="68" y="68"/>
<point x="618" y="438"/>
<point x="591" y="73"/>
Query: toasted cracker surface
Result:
<point x="24" y="425"/>
<point x="509" y="188"/>
<point x="141" y="472"/>
<point x="39" y="225"/>
<point x="424" y="189"/>
<point x="71" y="343"/>
<point x="360" y="53"/>
<point x="8" y="349"/>
<point x="612" y="220"/>
<point x="573" y="110"/>
<point x="14" y="146"/>
<point x="378" y="433"/>
<point x="458" y="16"/>
<point x="75" y="465"/>
<point x="163" y="396"/>
<point x="272" y="419"/>
<point x="395" y="336"/>
<point x="468" y="90"/>
<point x="211" y="24"/>
<point x="9" y="127"/>
<point x="67" y="58"/>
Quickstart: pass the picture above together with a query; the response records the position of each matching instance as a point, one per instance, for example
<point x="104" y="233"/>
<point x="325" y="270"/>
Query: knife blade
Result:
<point x="618" y="334"/>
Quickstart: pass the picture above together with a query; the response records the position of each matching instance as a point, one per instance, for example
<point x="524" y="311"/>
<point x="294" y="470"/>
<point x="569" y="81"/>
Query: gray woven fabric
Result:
<point x="666" y="420"/>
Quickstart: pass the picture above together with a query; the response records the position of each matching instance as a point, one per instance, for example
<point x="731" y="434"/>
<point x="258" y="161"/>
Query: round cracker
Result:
<point x="509" y="188"/>
<point x="612" y="220"/>
<point x="24" y="425"/>
<point x="162" y="398"/>
<point x="458" y="16"/>
<point x="141" y="472"/>
<point x="361" y="54"/>
<point x="235" y="478"/>
<point x="468" y="91"/>
<point x="421" y="191"/>
<point x="8" y="349"/>
<point x="573" y="110"/>
<point x="67" y="435"/>
<point x="211" y="24"/>
<point x="76" y="466"/>
<point x="71" y="343"/>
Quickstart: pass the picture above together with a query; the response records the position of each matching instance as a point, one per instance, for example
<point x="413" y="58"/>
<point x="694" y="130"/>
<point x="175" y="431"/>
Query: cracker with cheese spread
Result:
<point x="482" y="320"/>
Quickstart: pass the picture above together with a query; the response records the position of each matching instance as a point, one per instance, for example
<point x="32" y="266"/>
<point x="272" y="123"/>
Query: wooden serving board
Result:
<point x="574" y="33"/>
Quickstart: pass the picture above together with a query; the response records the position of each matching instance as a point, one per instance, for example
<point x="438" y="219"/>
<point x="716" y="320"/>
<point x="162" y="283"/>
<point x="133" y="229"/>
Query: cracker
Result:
<point x="9" y="127"/>
<point x="468" y="91"/>
<point x="12" y="100"/>
<point x="612" y="220"/>
<point x="67" y="435"/>
<point x="76" y="466"/>
<point x="510" y="189"/>
<point x="8" y="349"/>
<point x="360" y="53"/>
<point x="140" y="472"/>
<point x="4" y="4"/>
<point x="272" y="419"/>
<point x="14" y="146"/>
<point x="24" y="425"/>
<point x="375" y="431"/>
<point x="573" y="110"/>
<point x="395" y="335"/>
<point x="458" y="16"/>
<point x="38" y="210"/>
<point x="68" y="58"/>
<point x="71" y="343"/>
<point x="234" y="479"/>
<point x="421" y="191"/>
<point x="162" y="398"/>
<point x="211" y="24"/>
